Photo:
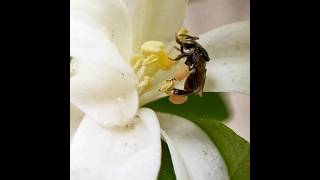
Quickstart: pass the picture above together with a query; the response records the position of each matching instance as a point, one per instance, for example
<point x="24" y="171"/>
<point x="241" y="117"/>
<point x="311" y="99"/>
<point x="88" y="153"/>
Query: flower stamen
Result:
<point x="145" y="84"/>
<point x="167" y="86"/>
<point x="136" y="62"/>
<point x="153" y="58"/>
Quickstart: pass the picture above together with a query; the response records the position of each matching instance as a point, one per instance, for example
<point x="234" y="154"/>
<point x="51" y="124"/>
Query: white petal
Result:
<point x="100" y="19"/>
<point x="99" y="153"/>
<point x="156" y="19"/>
<point x="179" y="167"/>
<point x="103" y="84"/>
<point x="229" y="49"/>
<point x="187" y="142"/>
<point x="102" y="92"/>
<point x="75" y="118"/>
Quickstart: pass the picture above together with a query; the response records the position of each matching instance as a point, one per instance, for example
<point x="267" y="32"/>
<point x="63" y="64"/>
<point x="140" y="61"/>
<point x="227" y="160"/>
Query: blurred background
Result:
<point x="204" y="15"/>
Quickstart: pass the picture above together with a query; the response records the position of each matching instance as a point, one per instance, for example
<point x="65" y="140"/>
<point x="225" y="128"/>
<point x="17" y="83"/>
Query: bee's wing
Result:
<point x="190" y="82"/>
<point x="200" y="77"/>
<point x="203" y="82"/>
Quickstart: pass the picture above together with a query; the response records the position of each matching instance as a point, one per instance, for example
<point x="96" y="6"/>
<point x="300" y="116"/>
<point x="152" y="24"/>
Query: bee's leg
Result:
<point x="179" y="57"/>
<point x="179" y="49"/>
<point x="181" y="92"/>
<point x="179" y="96"/>
<point x="178" y="40"/>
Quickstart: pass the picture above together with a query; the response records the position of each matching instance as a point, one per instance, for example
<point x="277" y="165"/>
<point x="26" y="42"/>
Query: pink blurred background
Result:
<point x="204" y="15"/>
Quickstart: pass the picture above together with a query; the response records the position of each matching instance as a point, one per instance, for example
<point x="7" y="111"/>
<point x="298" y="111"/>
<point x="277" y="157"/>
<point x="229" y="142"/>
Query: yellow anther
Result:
<point x="145" y="84"/>
<point x="152" y="47"/>
<point x="164" y="62"/>
<point x="157" y="48"/>
<point x="151" y="59"/>
<point x="167" y="87"/>
<point x="150" y="63"/>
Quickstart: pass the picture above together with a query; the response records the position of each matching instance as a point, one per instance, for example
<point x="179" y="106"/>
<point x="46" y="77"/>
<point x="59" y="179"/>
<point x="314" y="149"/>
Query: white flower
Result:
<point x="112" y="136"/>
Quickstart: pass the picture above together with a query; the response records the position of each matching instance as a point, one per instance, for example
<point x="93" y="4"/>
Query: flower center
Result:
<point x="153" y="58"/>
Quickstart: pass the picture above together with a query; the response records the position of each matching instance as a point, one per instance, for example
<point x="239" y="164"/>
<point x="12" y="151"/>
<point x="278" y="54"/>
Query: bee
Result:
<point x="196" y="59"/>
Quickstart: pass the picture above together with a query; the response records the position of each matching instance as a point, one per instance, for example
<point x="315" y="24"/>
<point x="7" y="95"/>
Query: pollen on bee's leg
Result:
<point x="182" y="72"/>
<point x="178" y="99"/>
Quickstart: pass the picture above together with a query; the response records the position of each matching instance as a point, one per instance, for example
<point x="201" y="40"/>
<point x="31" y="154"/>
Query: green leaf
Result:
<point x="207" y="112"/>
<point x="166" y="170"/>
<point x="234" y="149"/>
<point x="210" y="106"/>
